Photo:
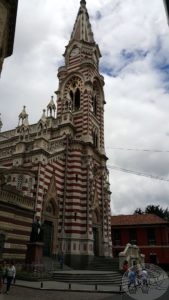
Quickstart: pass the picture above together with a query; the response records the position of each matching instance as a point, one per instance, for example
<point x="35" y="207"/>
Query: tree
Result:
<point x="156" y="210"/>
<point x="139" y="211"/>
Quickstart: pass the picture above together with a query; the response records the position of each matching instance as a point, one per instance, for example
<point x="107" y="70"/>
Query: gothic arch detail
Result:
<point x="42" y="128"/>
<point x="73" y="93"/>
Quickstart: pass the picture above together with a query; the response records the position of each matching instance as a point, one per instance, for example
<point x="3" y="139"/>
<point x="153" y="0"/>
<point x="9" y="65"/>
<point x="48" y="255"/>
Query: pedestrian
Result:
<point x="14" y="268"/>
<point x="144" y="277"/>
<point x="132" y="278"/>
<point x="10" y="273"/>
<point x="125" y="267"/>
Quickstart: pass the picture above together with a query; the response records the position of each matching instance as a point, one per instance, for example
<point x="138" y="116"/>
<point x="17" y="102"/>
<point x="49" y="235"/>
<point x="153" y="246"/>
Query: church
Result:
<point x="55" y="170"/>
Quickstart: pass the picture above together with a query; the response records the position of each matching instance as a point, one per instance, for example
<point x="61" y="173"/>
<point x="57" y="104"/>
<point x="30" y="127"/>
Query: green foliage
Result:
<point x="154" y="209"/>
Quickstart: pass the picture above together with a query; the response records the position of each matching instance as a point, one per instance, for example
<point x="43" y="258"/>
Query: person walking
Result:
<point x="125" y="267"/>
<point x="10" y="273"/>
<point x="144" y="277"/>
<point x="131" y="278"/>
<point x="14" y="269"/>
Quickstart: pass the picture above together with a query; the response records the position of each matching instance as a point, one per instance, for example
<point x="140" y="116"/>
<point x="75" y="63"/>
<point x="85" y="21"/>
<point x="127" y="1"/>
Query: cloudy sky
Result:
<point x="133" y="37"/>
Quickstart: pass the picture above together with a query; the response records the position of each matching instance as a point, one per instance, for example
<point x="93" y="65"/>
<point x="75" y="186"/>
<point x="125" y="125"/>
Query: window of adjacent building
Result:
<point x="133" y="236"/>
<point x="151" y="236"/>
<point x="116" y="237"/>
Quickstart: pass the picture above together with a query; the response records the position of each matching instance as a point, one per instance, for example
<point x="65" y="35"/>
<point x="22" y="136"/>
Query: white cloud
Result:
<point x="137" y="109"/>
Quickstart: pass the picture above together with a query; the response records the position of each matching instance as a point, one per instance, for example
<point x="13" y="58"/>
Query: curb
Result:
<point x="70" y="290"/>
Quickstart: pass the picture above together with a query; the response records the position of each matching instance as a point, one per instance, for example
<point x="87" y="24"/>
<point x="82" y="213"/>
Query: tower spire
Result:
<point x="82" y="28"/>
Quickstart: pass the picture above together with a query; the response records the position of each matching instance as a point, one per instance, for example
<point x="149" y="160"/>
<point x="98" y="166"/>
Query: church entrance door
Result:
<point x="96" y="241"/>
<point x="47" y="239"/>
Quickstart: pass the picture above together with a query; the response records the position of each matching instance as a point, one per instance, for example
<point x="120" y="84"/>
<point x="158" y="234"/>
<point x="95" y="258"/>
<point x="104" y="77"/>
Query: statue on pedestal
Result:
<point x="37" y="232"/>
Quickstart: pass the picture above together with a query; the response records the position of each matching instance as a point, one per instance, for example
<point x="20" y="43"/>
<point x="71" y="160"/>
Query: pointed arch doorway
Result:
<point x="50" y="228"/>
<point x="96" y="233"/>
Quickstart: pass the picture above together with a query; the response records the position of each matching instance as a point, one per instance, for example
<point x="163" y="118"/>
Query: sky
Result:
<point x="133" y="37"/>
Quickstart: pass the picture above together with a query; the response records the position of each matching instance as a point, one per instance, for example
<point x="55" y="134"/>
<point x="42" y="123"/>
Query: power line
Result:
<point x="138" y="150"/>
<point x="137" y="173"/>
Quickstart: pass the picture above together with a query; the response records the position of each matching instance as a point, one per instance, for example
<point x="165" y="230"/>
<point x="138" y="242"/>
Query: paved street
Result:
<point x="20" y="293"/>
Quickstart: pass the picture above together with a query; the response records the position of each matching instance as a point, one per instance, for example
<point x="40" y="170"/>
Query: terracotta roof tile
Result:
<point x="136" y="219"/>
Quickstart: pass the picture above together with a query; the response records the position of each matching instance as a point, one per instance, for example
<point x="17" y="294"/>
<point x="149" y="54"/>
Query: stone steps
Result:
<point x="104" y="264"/>
<point x="88" y="278"/>
<point x="51" y="264"/>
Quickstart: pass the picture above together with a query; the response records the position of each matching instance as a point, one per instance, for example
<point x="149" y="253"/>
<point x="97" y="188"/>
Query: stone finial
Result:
<point x="43" y="118"/>
<point x="23" y="117"/>
<point x="51" y="108"/>
<point x="23" y="113"/>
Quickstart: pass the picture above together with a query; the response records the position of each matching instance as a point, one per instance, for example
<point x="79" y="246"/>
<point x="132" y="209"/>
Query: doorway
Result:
<point x="47" y="238"/>
<point x="96" y="241"/>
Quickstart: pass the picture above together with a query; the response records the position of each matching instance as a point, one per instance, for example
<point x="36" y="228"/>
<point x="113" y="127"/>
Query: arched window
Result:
<point x="77" y="99"/>
<point x="71" y="95"/>
<point x="94" y="105"/>
<point x="19" y="182"/>
<point x="73" y="90"/>
<point x="95" y="138"/>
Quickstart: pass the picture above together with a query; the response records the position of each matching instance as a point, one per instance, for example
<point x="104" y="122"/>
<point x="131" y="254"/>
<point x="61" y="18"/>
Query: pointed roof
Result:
<point x="51" y="104"/>
<point x="82" y="28"/>
<point x="43" y="118"/>
<point x="23" y="113"/>
<point x="23" y="117"/>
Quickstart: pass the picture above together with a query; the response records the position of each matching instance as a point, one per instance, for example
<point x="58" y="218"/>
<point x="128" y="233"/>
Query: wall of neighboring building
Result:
<point x="157" y="245"/>
<point x="8" y="11"/>
<point x="166" y="4"/>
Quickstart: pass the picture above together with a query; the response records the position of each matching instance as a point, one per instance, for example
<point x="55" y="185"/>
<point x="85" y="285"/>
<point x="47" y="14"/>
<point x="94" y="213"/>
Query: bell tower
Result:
<point x="80" y="94"/>
<point x="86" y="223"/>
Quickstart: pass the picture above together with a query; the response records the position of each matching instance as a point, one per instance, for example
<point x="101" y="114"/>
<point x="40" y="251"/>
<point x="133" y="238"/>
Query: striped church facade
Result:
<point x="59" y="163"/>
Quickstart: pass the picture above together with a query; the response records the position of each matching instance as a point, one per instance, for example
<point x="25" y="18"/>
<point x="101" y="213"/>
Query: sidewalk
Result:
<point x="61" y="286"/>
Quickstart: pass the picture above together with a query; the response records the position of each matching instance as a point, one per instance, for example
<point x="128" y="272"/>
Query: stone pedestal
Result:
<point x="34" y="253"/>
